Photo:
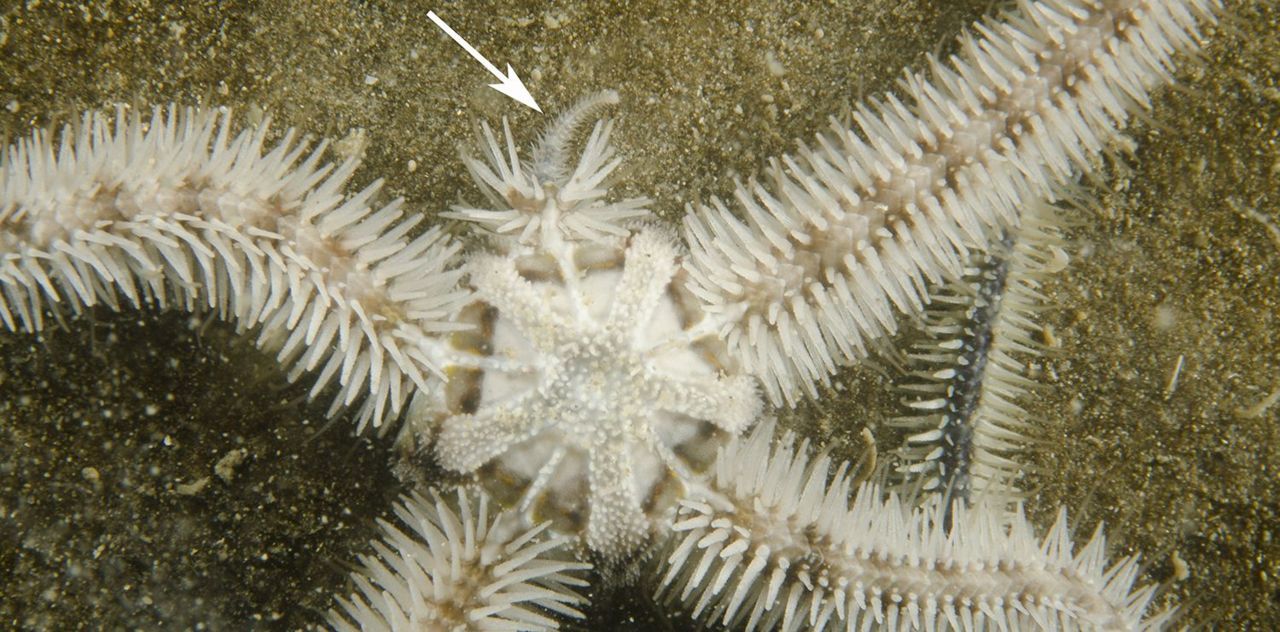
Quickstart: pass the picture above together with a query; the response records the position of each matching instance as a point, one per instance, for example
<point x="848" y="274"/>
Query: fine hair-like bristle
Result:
<point x="549" y="159"/>
<point x="542" y="195"/>
<point x="777" y="545"/>
<point x="181" y="212"/>
<point x="849" y="230"/>
<point x="968" y="372"/>
<point x="456" y="566"/>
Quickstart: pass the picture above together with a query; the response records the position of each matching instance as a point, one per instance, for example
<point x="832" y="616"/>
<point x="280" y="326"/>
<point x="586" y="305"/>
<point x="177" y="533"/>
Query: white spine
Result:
<point x="849" y="230"/>
<point x="524" y="195"/>
<point x="456" y="566"/>
<point x="969" y="372"/>
<point x="180" y="213"/>
<point x="777" y="546"/>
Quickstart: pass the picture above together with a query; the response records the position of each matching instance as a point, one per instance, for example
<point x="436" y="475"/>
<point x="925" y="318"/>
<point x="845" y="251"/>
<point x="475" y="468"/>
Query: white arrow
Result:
<point x="509" y="84"/>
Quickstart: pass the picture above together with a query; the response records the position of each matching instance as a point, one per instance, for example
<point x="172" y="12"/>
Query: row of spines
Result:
<point x="779" y="544"/>
<point x="181" y="212"/>
<point x="821" y="256"/>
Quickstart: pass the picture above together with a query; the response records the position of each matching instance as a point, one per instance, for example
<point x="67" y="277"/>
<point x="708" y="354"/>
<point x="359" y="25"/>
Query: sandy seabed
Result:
<point x="107" y="429"/>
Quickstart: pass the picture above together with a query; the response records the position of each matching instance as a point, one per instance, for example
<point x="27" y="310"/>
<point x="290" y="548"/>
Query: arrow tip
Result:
<point x="513" y="87"/>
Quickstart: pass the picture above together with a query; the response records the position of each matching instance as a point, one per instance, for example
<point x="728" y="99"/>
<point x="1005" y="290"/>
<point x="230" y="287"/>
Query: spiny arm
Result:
<point x="182" y="212"/>
<point x="820" y="257"/>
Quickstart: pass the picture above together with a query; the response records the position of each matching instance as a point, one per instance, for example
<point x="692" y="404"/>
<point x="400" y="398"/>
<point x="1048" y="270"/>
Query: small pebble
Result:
<point x="1180" y="569"/>
<point x="191" y="489"/>
<point x="775" y="67"/>
<point x="225" y="468"/>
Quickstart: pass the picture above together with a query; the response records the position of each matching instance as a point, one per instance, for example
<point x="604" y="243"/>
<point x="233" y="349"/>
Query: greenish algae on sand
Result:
<point x="109" y="428"/>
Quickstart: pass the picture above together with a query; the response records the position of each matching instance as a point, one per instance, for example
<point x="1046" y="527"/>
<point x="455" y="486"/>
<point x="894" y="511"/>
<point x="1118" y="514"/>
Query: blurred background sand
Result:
<point x="107" y="429"/>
